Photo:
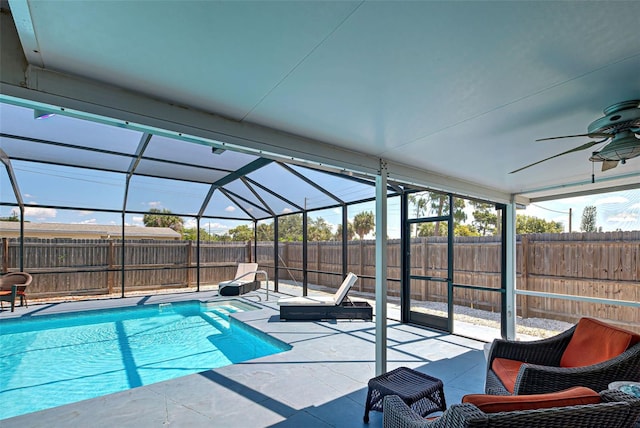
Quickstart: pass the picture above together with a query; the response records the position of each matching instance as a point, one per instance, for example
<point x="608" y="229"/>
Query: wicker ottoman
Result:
<point x="423" y="393"/>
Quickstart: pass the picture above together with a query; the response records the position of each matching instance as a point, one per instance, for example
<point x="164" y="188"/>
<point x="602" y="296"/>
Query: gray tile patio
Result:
<point x="320" y="382"/>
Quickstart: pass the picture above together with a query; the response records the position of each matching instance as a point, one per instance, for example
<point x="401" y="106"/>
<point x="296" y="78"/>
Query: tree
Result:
<point x="241" y="233"/>
<point x="427" y="229"/>
<point x="265" y="232"/>
<point x="440" y="204"/>
<point x="163" y="218"/>
<point x="531" y="224"/>
<point x="589" y="219"/>
<point x="290" y="228"/>
<point x="350" y="232"/>
<point x="12" y="217"/>
<point x="363" y="223"/>
<point x="465" y="230"/>
<point x="419" y="204"/>
<point x="318" y="230"/>
<point x="485" y="220"/>
<point x="191" y="234"/>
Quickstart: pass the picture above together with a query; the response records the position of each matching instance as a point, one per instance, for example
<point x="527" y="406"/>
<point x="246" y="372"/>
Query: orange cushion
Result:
<point x="594" y="342"/>
<point x="507" y="371"/>
<point x="508" y="403"/>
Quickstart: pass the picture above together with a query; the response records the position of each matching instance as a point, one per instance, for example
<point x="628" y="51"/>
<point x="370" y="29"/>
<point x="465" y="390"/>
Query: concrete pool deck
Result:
<point x="320" y="382"/>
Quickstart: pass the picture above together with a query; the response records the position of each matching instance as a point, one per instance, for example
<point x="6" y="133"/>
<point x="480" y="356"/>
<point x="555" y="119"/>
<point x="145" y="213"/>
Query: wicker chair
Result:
<point x="542" y="373"/>
<point x="617" y="410"/>
<point x="19" y="280"/>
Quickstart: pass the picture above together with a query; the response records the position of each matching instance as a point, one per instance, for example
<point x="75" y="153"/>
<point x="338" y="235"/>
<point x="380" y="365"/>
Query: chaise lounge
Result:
<point x="243" y="282"/>
<point x="326" y="307"/>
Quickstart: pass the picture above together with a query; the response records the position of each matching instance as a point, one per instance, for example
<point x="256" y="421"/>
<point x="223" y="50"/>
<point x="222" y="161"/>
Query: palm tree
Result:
<point x="363" y="223"/>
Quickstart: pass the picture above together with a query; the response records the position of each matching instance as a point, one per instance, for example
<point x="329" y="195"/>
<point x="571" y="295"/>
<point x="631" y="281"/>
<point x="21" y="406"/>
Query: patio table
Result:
<point x="423" y="393"/>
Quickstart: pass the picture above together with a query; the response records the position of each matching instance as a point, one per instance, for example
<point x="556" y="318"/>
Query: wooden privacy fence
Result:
<point x="603" y="265"/>
<point x="68" y="267"/>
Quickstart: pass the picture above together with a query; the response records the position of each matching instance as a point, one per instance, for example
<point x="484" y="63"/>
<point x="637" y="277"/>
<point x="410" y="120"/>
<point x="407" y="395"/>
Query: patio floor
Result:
<point x="321" y="382"/>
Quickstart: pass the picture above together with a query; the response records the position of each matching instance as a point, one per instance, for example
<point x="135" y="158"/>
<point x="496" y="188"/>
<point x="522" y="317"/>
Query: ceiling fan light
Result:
<point x="624" y="146"/>
<point x="42" y="114"/>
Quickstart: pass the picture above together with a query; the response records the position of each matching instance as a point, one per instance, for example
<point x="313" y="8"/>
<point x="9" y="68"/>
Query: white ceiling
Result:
<point x="459" y="89"/>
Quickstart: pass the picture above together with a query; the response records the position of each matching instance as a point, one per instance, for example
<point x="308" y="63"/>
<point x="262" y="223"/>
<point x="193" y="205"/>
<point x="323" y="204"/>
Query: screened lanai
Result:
<point x="116" y="170"/>
<point x="450" y="111"/>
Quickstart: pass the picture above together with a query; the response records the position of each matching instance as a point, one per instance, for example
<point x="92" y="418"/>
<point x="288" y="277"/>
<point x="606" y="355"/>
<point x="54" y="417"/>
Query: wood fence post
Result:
<point x="524" y="273"/>
<point x="360" y="283"/>
<point x="424" y="289"/>
<point x="318" y="261"/>
<point x="189" y="262"/>
<point x="5" y="255"/>
<point x="249" y="252"/>
<point x="110" y="266"/>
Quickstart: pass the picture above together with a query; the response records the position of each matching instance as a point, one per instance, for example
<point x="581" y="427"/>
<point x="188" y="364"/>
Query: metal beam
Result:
<point x="381" y="270"/>
<point x="510" y="271"/>
<point x="235" y="197"/>
<point x="142" y="145"/>
<point x="311" y="183"/>
<point x="240" y="172"/>
<point x="232" y="199"/>
<point x="272" y="193"/>
<point x="266" y="208"/>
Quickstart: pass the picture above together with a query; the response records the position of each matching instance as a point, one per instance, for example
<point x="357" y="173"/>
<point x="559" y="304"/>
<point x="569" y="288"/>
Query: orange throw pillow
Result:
<point x="594" y="342"/>
<point x="509" y="403"/>
<point x="507" y="371"/>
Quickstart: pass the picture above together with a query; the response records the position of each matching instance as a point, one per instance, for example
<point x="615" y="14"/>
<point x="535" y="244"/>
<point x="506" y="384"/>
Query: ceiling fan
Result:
<point x="619" y="128"/>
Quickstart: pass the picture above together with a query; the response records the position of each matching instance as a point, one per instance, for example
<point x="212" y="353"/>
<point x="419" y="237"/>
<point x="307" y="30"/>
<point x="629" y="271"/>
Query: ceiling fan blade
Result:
<point x="577" y="149"/>
<point x="607" y="165"/>
<point x="578" y="135"/>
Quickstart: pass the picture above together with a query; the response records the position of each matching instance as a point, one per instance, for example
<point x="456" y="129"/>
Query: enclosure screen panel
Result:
<point x="181" y="172"/>
<point x="69" y="130"/>
<point x="41" y="152"/>
<point x="176" y="150"/>
<point x="63" y="186"/>
<point x="179" y="197"/>
<point x="345" y="189"/>
<point x="291" y="187"/>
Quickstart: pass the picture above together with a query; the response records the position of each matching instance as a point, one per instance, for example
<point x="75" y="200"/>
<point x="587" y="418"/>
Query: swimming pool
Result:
<point x="50" y="360"/>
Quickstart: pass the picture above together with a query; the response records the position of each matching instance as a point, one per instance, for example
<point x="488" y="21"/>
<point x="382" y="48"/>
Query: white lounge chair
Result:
<point x="326" y="307"/>
<point x="243" y="282"/>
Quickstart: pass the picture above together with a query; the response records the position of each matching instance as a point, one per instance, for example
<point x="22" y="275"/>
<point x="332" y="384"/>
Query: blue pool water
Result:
<point x="47" y="361"/>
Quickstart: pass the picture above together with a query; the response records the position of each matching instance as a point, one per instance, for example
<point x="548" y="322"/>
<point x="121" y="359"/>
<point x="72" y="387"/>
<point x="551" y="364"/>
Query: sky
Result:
<point x="615" y="211"/>
<point x="88" y="189"/>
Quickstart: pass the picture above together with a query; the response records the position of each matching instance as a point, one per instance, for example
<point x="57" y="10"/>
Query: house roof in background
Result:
<point x="133" y="232"/>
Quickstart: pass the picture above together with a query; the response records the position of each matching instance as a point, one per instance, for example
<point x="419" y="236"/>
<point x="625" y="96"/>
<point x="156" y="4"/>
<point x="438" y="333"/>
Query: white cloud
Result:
<point x="84" y="213"/>
<point x="287" y="211"/>
<point x="40" y="213"/>
<point x="611" y="200"/>
<point x="623" y="218"/>
<point x="137" y="220"/>
<point x="154" y="204"/>
<point x="27" y="195"/>
<point x="215" y="228"/>
<point x="230" y="209"/>
<point x="190" y="223"/>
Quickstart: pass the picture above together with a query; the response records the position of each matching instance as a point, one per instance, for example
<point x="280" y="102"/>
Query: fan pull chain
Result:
<point x="593" y="173"/>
